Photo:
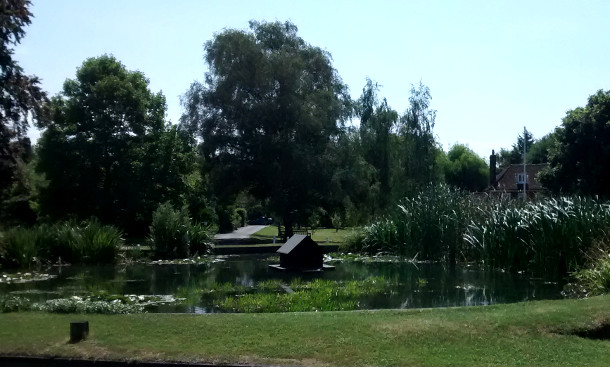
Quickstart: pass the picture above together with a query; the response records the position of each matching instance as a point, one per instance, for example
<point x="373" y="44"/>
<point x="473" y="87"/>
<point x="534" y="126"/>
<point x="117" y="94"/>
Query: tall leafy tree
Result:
<point x="578" y="159"/>
<point x="515" y="154"/>
<point x="107" y="151"/>
<point x="465" y="169"/>
<point x="355" y="184"/>
<point x="376" y="122"/>
<point x="21" y="97"/>
<point x="538" y="152"/>
<point x="267" y="112"/>
<point x="420" y="152"/>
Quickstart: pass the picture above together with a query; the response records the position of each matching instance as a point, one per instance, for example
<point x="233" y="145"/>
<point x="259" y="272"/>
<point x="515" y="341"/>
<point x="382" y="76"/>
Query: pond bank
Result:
<point x="542" y="333"/>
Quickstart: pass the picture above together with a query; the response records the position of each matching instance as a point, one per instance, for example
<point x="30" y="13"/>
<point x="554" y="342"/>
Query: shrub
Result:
<point x="594" y="278"/>
<point x="90" y="242"/>
<point x="242" y="217"/>
<point x="353" y="242"/>
<point x="173" y="235"/>
<point x="200" y="240"/>
<point x="96" y="243"/>
<point x="19" y="247"/>
<point x="169" y="232"/>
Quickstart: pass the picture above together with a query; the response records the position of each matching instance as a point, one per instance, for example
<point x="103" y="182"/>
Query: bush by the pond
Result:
<point x="594" y="278"/>
<point x="19" y="247"/>
<point x="548" y="236"/>
<point x="173" y="235"/>
<point x="14" y="304"/>
<point x="89" y="242"/>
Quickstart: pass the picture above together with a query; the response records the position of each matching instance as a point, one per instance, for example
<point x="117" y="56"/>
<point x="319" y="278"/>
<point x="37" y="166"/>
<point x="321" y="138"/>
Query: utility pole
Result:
<point x="524" y="170"/>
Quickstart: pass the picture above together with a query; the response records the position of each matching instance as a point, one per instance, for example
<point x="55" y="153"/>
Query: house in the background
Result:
<point x="512" y="179"/>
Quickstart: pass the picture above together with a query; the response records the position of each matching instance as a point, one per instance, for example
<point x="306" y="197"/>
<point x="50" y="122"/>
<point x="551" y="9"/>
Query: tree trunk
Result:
<point x="288" y="231"/>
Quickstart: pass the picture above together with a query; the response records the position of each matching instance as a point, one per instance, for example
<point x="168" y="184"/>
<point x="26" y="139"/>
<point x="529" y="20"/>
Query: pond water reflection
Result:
<point x="413" y="286"/>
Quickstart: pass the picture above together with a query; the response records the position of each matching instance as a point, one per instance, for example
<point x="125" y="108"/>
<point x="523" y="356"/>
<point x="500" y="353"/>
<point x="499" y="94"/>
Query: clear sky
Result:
<point x="492" y="66"/>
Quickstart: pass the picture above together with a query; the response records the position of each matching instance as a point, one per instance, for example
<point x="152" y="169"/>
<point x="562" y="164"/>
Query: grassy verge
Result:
<point x="319" y="235"/>
<point x="524" y="334"/>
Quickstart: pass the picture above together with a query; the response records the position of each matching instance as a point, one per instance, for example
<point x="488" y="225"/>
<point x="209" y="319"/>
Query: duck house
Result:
<point x="300" y="253"/>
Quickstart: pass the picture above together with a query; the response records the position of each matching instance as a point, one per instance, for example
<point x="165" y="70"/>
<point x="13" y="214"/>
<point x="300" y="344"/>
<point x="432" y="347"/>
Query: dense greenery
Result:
<point x="21" y="100"/>
<point x="267" y="133"/>
<point x="466" y="170"/>
<point x="174" y="235"/>
<point x="269" y="107"/>
<point x="108" y="151"/>
<point x="578" y="156"/>
<point x="593" y="278"/>
<point x="547" y="237"/>
<point x="89" y="242"/>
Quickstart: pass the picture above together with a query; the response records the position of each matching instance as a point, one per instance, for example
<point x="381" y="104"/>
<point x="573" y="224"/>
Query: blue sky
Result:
<point x="492" y="66"/>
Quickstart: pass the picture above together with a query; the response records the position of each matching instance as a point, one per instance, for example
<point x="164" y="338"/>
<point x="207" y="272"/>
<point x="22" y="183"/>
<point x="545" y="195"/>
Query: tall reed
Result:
<point x="88" y="242"/>
<point x="429" y="226"/>
<point x="548" y="236"/>
<point x="174" y="235"/>
<point x="19" y="247"/>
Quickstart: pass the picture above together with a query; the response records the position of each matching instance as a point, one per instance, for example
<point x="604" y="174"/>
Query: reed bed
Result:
<point x="174" y="235"/>
<point x="546" y="237"/>
<point x="89" y="242"/>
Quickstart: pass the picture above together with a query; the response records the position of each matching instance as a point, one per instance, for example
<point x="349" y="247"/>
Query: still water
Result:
<point x="414" y="285"/>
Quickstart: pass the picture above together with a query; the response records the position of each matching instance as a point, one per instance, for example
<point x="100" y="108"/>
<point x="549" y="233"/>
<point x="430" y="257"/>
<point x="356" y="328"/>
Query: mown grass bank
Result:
<point x="523" y="334"/>
<point x="320" y="235"/>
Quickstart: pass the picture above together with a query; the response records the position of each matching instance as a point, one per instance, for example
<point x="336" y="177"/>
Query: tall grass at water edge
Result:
<point x="88" y="242"/>
<point x="547" y="237"/>
<point x="427" y="226"/>
<point x="174" y="235"/>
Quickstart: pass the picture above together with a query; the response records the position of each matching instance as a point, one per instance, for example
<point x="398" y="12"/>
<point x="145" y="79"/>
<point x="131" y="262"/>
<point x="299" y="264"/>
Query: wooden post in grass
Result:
<point x="79" y="330"/>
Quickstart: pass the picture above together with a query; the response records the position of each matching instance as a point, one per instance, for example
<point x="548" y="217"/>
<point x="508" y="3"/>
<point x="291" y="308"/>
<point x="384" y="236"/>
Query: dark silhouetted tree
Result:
<point x="267" y="112"/>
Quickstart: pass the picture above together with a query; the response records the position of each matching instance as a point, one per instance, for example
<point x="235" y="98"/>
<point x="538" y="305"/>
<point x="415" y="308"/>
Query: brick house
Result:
<point x="510" y="181"/>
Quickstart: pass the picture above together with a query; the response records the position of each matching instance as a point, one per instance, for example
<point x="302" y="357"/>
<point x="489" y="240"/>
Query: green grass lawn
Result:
<point x="522" y="334"/>
<point x="320" y="235"/>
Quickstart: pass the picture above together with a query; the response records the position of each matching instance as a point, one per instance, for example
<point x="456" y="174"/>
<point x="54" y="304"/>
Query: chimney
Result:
<point x="492" y="169"/>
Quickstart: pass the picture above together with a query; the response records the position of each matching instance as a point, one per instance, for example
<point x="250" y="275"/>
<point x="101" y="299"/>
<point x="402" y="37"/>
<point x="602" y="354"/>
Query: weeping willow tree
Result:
<point x="267" y="112"/>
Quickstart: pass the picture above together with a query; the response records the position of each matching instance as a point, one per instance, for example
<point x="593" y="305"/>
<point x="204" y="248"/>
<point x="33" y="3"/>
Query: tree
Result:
<point x="465" y="169"/>
<point x="107" y="151"/>
<point x="376" y="122"/>
<point x="578" y="159"/>
<point x="355" y="185"/>
<point x="267" y="113"/>
<point x="420" y="151"/>
<point x="539" y="150"/>
<point x="515" y="155"/>
<point x="21" y="97"/>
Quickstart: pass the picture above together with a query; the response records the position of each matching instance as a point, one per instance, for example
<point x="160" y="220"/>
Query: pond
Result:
<point x="406" y="285"/>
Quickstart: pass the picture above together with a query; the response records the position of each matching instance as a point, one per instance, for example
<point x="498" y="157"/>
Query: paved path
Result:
<point x="239" y="233"/>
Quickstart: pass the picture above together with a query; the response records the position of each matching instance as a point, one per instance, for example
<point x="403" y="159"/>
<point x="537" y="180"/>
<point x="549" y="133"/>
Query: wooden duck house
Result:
<point x="300" y="253"/>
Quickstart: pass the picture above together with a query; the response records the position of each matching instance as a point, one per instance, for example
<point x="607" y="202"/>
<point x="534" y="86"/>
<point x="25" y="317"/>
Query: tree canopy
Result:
<point x="269" y="108"/>
<point x="107" y="151"/>
<point x="21" y="97"/>
<point x="577" y="159"/>
<point x="465" y="169"/>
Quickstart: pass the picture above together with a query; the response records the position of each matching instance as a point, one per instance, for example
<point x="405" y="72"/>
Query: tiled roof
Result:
<point x="506" y="180"/>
